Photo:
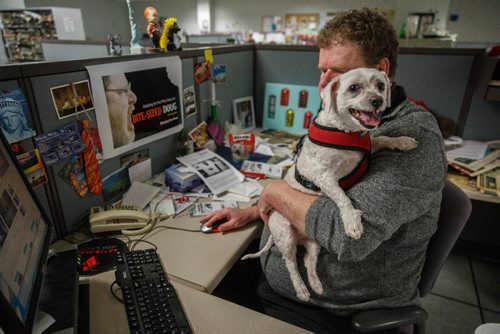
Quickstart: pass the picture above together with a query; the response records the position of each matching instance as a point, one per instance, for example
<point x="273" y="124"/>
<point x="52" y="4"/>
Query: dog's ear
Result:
<point x="329" y="91"/>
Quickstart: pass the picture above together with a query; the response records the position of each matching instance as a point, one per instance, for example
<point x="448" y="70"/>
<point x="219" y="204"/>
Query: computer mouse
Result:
<point x="214" y="228"/>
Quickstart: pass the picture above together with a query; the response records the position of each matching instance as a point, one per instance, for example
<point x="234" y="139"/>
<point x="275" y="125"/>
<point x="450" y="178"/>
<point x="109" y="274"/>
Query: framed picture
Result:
<point x="244" y="113"/>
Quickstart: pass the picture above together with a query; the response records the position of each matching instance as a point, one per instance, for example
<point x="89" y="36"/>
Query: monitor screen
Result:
<point x="25" y="235"/>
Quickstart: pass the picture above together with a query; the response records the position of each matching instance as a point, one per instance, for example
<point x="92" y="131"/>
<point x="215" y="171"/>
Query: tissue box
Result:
<point x="179" y="181"/>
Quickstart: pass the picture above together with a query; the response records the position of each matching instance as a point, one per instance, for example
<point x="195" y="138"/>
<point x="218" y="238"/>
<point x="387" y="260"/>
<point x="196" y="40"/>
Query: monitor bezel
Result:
<point x="9" y="321"/>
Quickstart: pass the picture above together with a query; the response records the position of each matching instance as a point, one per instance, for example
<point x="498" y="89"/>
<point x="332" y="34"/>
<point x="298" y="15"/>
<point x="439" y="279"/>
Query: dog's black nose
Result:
<point x="376" y="102"/>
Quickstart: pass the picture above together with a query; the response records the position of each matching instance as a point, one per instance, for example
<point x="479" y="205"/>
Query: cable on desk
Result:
<point x="73" y="240"/>
<point x="113" y="292"/>
<point x="135" y="242"/>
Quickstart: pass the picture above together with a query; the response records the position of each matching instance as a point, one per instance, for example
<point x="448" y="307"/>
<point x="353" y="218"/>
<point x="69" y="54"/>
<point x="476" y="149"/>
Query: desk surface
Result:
<point x="206" y="313"/>
<point x="463" y="183"/>
<point x="197" y="259"/>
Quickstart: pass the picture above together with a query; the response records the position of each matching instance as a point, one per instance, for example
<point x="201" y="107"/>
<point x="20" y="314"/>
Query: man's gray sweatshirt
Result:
<point x="400" y="198"/>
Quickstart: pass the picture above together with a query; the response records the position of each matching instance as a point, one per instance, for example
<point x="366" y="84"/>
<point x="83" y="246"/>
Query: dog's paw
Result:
<point x="302" y="293"/>
<point x="316" y="286"/>
<point x="405" y="143"/>
<point x="352" y="224"/>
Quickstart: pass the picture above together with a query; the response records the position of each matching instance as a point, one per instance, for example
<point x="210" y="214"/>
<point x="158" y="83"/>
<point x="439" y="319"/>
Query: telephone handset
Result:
<point x="106" y="219"/>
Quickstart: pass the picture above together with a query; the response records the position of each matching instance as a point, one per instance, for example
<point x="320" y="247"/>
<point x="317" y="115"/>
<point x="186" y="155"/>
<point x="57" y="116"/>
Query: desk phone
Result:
<point x="115" y="218"/>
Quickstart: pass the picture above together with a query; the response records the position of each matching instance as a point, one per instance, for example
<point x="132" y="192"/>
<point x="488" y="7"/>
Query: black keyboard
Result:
<point x="150" y="301"/>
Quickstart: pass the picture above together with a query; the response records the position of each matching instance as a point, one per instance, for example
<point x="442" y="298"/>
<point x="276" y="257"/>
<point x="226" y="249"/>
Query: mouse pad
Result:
<point x="98" y="255"/>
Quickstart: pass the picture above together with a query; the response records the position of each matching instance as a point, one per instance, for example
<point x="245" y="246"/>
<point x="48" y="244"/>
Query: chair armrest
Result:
<point x="376" y="320"/>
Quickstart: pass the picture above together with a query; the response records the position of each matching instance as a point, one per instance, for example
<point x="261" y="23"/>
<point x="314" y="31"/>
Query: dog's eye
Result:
<point x="381" y="86"/>
<point x="353" y="88"/>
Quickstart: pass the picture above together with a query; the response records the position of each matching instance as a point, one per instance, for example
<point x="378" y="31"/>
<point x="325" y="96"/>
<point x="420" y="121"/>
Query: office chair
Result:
<point x="455" y="211"/>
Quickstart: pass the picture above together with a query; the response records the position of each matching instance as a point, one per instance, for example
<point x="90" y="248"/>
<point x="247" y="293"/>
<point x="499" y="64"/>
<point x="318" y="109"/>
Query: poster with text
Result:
<point x="137" y="102"/>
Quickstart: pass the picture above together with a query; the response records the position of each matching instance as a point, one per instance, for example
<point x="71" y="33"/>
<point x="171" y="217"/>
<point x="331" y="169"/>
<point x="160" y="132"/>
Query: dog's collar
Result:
<point x="335" y="138"/>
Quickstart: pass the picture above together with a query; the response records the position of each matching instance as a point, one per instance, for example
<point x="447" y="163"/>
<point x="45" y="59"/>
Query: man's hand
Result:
<point x="235" y="217"/>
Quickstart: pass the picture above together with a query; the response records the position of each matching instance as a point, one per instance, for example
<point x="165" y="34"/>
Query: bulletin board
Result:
<point x="278" y="121"/>
<point x="303" y="27"/>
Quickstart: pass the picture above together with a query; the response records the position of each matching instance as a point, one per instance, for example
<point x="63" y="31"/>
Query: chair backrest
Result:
<point x="455" y="211"/>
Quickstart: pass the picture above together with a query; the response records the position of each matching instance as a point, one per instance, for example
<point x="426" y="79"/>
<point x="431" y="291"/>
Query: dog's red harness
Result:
<point x="335" y="138"/>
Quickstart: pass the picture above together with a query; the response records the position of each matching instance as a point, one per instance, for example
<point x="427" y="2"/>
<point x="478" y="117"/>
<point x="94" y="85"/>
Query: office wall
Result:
<point x="232" y="15"/>
<point x="11" y="4"/>
<point x="478" y="19"/>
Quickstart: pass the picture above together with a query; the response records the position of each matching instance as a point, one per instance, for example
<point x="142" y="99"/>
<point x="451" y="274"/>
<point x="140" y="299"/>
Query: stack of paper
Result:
<point x="480" y="160"/>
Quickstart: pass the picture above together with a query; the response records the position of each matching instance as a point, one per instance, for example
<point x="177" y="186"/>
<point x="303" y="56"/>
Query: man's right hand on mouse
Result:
<point x="235" y="217"/>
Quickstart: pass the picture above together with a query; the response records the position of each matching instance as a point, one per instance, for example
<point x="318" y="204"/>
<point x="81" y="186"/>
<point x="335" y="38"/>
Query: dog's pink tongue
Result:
<point x="369" y="119"/>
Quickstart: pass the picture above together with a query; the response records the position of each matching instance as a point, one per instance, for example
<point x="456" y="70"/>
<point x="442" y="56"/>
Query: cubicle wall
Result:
<point x="442" y="78"/>
<point x="70" y="211"/>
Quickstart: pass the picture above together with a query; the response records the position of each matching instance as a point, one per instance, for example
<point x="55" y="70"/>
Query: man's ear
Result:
<point x="388" y="93"/>
<point x="384" y="65"/>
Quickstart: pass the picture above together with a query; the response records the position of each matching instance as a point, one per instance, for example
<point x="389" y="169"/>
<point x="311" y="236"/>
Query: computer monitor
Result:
<point x="25" y="235"/>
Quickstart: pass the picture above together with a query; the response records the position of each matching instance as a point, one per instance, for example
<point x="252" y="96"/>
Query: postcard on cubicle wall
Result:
<point x="137" y="102"/>
<point x="72" y="98"/>
<point x="218" y="174"/>
<point x="18" y="124"/>
<point x="189" y="99"/>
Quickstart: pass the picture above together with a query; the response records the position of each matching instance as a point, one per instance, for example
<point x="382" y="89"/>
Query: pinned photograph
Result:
<point x="15" y="117"/>
<point x="72" y="98"/>
<point x="244" y="113"/>
<point x="33" y="168"/>
<point x="200" y="135"/>
<point x="60" y="143"/>
<point x="202" y="72"/>
<point x="115" y="185"/>
<point x="73" y="173"/>
<point x="219" y="73"/>
<point x="189" y="101"/>
<point x="134" y="158"/>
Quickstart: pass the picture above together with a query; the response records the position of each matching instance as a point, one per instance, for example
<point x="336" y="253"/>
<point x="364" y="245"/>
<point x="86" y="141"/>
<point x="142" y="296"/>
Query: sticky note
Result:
<point x="209" y="56"/>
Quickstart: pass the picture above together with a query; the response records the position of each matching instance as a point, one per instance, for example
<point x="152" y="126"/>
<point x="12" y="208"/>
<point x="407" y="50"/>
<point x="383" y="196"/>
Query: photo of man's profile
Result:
<point x="121" y="101"/>
<point x="137" y="102"/>
<point x="15" y="118"/>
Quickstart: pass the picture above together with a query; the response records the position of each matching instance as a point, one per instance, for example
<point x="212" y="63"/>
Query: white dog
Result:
<point x="334" y="154"/>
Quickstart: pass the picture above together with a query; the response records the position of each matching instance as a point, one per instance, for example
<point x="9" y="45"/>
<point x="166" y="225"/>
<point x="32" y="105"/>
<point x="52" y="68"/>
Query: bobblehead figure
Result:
<point x="153" y="30"/>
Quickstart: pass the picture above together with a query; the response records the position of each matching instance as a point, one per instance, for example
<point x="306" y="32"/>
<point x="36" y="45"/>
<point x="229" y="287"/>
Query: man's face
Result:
<point x="338" y="59"/>
<point x="11" y="121"/>
<point x="120" y="107"/>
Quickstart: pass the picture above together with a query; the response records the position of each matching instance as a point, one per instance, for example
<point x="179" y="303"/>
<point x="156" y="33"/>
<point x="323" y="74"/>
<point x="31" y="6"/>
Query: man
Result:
<point x="13" y="121"/>
<point x="120" y="100"/>
<point x="399" y="197"/>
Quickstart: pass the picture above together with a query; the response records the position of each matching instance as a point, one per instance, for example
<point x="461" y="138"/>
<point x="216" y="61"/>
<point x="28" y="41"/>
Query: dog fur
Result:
<point x="363" y="89"/>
